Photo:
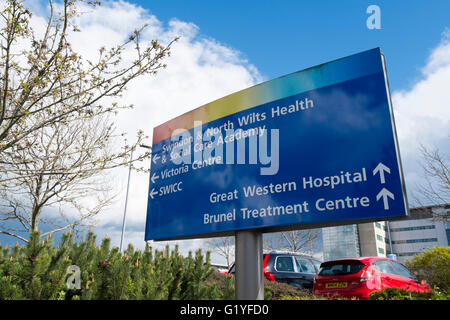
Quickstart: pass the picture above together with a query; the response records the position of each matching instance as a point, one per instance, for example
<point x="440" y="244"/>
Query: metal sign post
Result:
<point x="249" y="282"/>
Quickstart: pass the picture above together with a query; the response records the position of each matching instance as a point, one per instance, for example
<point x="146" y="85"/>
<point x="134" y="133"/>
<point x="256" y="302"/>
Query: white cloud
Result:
<point x="422" y="113"/>
<point x="440" y="56"/>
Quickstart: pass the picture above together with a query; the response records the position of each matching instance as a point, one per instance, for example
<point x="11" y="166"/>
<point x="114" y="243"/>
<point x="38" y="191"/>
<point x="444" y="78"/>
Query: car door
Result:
<point x="307" y="272"/>
<point x="286" y="270"/>
<point x="405" y="279"/>
<point x="387" y="272"/>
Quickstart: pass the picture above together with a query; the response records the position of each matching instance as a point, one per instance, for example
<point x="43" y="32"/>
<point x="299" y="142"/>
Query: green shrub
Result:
<point x="303" y="297"/>
<point x="275" y="290"/>
<point x="433" y="266"/>
<point x="400" y="294"/>
<point x="39" y="271"/>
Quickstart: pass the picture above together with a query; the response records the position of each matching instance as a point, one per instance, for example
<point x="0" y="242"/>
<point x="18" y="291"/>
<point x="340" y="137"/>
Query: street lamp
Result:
<point x="126" y="197"/>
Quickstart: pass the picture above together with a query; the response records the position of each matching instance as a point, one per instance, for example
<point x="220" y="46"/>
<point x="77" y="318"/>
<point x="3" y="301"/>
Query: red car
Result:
<point x="358" y="277"/>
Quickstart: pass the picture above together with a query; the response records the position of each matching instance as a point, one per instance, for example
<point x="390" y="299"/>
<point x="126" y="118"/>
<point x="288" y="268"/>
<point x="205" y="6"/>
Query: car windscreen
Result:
<point x="338" y="268"/>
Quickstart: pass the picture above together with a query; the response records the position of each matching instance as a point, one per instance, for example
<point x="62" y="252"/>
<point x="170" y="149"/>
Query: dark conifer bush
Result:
<point x="41" y="270"/>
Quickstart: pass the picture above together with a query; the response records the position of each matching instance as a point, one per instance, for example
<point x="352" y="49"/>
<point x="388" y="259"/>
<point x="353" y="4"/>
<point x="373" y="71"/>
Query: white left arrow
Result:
<point x="155" y="157"/>
<point x="154" y="177"/>
<point x="153" y="193"/>
<point x="381" y="168"/>
<point x="385" y="193"/>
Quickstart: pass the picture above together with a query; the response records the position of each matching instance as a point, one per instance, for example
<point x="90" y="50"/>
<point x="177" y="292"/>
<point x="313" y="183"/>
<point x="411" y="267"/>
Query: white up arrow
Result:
<point x="153" y="193"/>
<point x="154" y="177"/>
<point x="385" y="193"/>
<point x="381" y="168"/>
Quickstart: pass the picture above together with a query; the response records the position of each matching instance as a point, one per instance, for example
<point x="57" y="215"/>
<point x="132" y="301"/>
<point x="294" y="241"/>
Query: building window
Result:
<point x="415" y="241"/>
<point x="381" y="250"/>
<point x="407" y="254"/>
<point x="378" y="225"/>
<point x="413" y="228"/>
<point x="379" y="238"/>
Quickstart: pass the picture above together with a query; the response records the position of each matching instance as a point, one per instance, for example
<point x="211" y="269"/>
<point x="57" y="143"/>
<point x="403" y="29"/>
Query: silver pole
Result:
<point x="126" y="201"/>
<point x="249" y="280"/>
<point x="126" y="197"/>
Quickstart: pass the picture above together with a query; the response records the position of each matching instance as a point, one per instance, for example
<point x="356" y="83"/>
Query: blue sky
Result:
<point x="227" y="46"/>
<point x="281" y="37"/>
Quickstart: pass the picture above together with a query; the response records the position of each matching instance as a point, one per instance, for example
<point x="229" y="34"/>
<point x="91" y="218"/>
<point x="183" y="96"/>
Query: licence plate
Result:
<point x="336" y="285"/>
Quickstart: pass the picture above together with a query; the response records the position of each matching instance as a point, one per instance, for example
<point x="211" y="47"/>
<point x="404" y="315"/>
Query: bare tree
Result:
<point x="40" y="74"/>
<point x="436" y="190"/>
<point x="55" y="134"/>
<point x="62" y="167"/>
<point x="293" y="241"/>
<point x="224" y="247"/>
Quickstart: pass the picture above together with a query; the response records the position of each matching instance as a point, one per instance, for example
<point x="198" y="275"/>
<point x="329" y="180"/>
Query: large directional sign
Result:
<point x="314" y="148"/>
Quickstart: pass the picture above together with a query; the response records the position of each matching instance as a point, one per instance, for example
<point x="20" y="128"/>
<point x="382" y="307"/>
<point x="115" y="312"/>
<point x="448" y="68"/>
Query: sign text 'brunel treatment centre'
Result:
<point x="311" y="149"/>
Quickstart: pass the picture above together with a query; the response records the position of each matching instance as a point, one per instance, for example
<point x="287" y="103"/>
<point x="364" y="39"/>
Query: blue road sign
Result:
<point x="311" y="149"/>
